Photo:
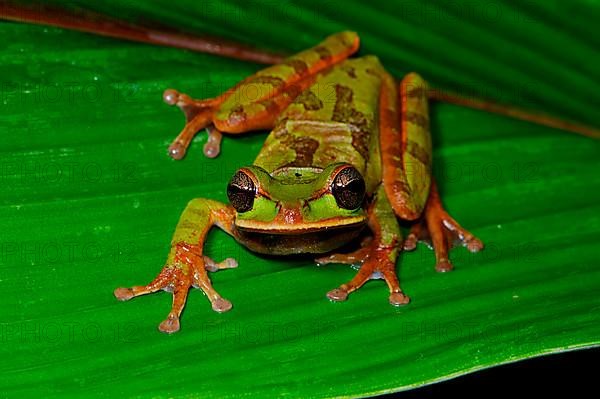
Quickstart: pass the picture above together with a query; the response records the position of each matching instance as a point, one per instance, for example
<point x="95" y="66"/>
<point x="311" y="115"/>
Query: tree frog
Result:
<point x="348" y="154"/>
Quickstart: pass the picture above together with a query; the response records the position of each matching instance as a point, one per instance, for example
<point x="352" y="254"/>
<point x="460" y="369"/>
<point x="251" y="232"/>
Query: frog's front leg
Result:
<point x="186" y="266"/>
<point x="377" y="256"/>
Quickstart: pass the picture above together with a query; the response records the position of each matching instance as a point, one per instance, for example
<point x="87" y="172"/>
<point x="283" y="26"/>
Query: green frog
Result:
<point x="348" y="154"/>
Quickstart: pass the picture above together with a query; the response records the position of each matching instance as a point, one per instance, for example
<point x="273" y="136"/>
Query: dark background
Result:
<point x="547" y="375"/>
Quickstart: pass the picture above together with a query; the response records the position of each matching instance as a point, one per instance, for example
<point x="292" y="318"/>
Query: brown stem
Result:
<point x="512" y="112"/>
<point x="87" y="21"/>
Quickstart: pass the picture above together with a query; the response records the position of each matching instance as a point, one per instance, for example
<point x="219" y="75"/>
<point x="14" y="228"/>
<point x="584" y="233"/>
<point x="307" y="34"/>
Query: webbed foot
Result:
<point x="188" y="270"/>
<point x="375" y="261"/>
<point x="198" y="115"/>
<point x="441" y="232"/>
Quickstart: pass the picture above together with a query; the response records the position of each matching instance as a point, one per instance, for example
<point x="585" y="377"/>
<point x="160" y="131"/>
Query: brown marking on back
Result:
<point x="310" y="101"/>
<point x="417" y="151"/>
<point x="300" y="67"/>
<point x="281" y="129"/>
<point x="271" y="106"/>
<point x="294" y="90"/>
<point x="401" y="187"/>
<point x="350" y="71"/>
<point x="373" y="72"/>
<point x="417" y="119"/>
<point x="263" y="79"/>
<point x="305" y="148"/>
<point x="323" y="52"/>
<point x="345" y="112"/>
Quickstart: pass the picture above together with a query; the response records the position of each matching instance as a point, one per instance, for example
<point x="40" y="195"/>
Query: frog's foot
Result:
<point x="198" y="115"/>
<point x="376" y="261"/>
<point x="189" y="271"/>
<point x="439" y="230"/>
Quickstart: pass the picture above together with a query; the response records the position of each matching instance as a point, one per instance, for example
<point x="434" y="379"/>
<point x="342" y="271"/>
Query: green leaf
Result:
<point x="90" y="200"/>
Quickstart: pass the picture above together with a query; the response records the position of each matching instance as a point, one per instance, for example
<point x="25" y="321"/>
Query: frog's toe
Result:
<point x="160" y="282"/>
<point x="170" y="325"/>
<point x="221" y="305"/>
<point x="337" y="295"/>
<point x="411" y="242"/>
<point x="418" y="232"/>
<point x="443" y="266"/>
<point x="228" y="263"/>
<point x="213" y="266"/>
<point x="171" y="96"/>
<point x="474" y="244"/>
<point x="212" y="147"/>
<point x="399" y="299"/>
<point x="355" y="258"/>
<point x="177" y="150"/>
<point x="123" y="294"/>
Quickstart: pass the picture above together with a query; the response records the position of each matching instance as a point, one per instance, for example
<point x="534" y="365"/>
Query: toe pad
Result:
<point x="399" y="299"/>
<point x="337" y="295"/>
<point x="123" y="294"/>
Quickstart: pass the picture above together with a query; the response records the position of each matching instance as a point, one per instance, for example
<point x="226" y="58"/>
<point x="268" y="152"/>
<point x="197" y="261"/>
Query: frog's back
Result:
<point x="334" y="120"/>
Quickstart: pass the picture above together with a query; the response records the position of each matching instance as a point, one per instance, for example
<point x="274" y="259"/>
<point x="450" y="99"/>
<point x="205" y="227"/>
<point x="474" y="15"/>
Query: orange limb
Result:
<point x="405" y="145"/>
<point x="178" y="280"/>
<point x="261" y="114"/>
<point x="376" y="263"/>
<point x="377" y="256"/>
<point x="186" y="266"/>
<point x="235" y="111"/>
<point x="441" y="231"/>
<point x="354" y="258"/>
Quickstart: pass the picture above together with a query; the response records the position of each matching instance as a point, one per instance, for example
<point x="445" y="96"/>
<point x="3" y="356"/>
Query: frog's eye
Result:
<point x="241" y="192"/>
<point x="348" y="188"/>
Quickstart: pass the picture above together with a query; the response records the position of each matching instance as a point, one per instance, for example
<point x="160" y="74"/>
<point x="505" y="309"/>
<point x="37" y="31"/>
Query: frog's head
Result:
<point x="300" y="203"/>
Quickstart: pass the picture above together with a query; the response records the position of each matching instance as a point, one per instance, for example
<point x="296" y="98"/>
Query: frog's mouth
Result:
<point x="283" y="227"/>
<point x="299" y="239"/>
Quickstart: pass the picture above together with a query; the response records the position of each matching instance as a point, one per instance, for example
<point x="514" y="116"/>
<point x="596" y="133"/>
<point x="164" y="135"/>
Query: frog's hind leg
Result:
<point x="406" y="159"/>
<point x="441" y="232"/>
<point x="256" y="102"/>
<point x="377" y="258"/>
<point x="405" y="145"/>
